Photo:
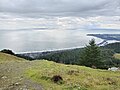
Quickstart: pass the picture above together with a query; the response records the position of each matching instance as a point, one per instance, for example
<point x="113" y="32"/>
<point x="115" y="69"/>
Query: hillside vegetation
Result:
<point x="38" y="74"/>
<point x="113" y="46"/>
<point x="12" y="71"/>
<point x="7" y="58"/>
<point x="74" y="77"/>
<point x="73" y="56"/>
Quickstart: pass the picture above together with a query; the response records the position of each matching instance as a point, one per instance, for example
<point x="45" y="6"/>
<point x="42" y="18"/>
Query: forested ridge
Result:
<point x="73" y="56"/>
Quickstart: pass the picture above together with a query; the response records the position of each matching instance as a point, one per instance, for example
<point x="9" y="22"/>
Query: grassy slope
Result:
<point x="117" y="56"/>
<point x="6" y="57"/>
<point x="75" y="77"/>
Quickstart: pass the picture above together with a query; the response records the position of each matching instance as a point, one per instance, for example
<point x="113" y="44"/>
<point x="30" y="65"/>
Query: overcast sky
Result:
<point x="62" y="7"/>
<point x="60" y="13"/>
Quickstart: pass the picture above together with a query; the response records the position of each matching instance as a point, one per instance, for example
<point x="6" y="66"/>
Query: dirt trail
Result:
<point x="12" y="78"/>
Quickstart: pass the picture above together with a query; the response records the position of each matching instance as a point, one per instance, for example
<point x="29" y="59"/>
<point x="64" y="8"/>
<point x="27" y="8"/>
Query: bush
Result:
<point x="8" y="51"/>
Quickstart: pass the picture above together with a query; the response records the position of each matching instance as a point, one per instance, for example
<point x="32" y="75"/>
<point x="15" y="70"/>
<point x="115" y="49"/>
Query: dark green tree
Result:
<point x="91" y="55"/>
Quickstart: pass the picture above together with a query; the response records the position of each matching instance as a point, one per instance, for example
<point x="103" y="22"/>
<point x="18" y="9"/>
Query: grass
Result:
<point x="7" y="58"/>
<point x="74" y="77"/>
<point x="117" y="56"/>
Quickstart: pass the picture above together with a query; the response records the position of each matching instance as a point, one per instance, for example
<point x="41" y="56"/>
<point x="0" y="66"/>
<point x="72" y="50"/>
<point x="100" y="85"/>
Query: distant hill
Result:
<point x="72" y="56"/>
<point x="69" y="56"/>
<point x="113" y="46"/>
<point x="106" y="36"/>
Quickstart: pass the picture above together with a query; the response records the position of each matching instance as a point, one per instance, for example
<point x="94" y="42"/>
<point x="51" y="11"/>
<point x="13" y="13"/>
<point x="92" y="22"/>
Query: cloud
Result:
<point x="59" y="23"/>
<point x="36" y="8"/>
<point x="59" y="14"/>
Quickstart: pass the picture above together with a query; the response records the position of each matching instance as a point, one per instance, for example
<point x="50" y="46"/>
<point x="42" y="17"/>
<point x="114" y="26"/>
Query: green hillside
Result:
<point x="18" y="74"/>
<point x="113" y="46"/>
<point x="74" y="77"/>
<point x="6" y="57"/>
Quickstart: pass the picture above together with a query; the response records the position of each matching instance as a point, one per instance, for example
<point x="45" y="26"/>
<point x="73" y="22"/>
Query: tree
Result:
<point x="91" y="55"/>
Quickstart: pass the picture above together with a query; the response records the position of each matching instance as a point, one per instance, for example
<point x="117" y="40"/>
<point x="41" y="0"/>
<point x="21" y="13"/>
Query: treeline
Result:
<point x="67" y="56"/>
<point x="73" y="56"/>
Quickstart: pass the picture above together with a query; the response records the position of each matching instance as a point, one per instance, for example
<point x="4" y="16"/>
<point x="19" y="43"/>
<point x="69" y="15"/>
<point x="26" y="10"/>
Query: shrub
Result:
<point x="8" y="51"/>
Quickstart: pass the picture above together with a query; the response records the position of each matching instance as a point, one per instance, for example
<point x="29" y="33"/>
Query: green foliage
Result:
<point x="74" y="56"/>
<point x="91" y="55"/>
<point x="66" y="56"/>
<point x="113" y="46"/>
<point x="94" y="56"/>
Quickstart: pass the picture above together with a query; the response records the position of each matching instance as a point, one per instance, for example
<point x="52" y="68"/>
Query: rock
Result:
<point x="113" y="69"/>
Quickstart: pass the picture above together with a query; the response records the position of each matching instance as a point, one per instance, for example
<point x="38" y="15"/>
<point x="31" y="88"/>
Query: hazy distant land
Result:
<point x="106" y="36"/>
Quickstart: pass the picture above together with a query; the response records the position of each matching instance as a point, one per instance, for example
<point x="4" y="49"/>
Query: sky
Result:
<point x="59" y="14"/>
